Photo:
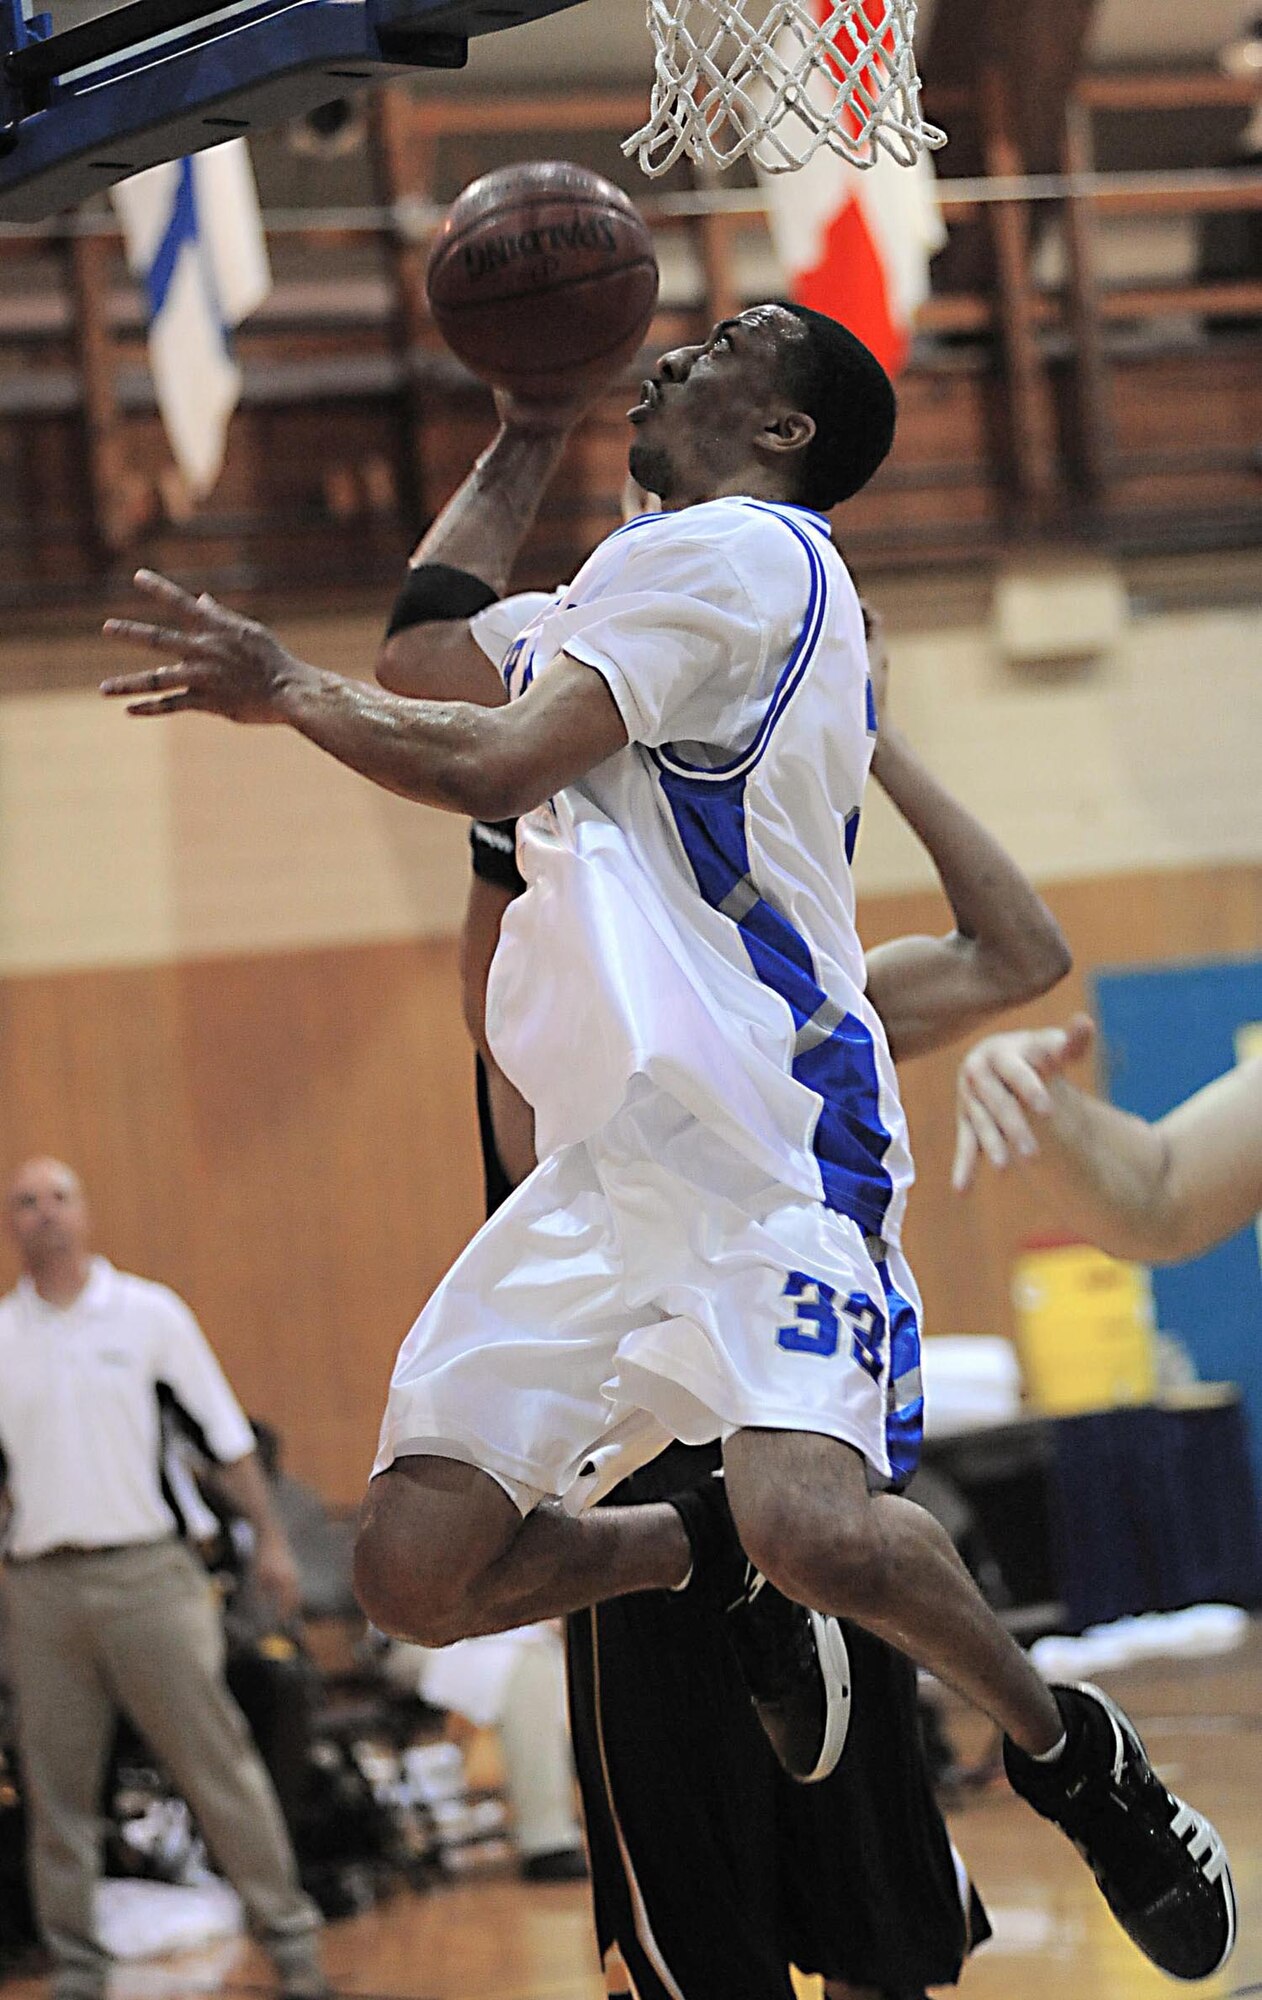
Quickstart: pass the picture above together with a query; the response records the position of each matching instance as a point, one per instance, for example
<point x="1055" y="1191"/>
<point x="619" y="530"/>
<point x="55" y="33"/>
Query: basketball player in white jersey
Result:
<point x="710" y="1245"/>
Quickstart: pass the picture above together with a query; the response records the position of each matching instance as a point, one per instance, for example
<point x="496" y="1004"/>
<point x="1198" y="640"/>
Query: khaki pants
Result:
<point x="138" y="1630"/>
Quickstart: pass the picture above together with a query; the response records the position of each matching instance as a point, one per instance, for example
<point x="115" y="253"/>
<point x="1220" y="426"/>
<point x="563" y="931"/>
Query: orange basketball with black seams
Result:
<point x="542" y="279"/>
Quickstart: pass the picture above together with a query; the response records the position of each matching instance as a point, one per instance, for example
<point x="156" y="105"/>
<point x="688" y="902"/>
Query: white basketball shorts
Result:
<point x="647" y="1285"/>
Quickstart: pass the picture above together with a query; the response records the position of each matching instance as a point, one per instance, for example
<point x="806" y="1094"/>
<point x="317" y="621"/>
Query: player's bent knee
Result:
<point x="413" y="1603"/>
<point x="430" y="1532"/>
<point x="407" y="1584"/>
<point x="830" y="1561"/>
<point x="388" y="1598"/>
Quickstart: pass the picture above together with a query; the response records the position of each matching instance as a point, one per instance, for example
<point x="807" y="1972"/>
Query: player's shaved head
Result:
<point x="778" y="402"/>
<point x="844" y="389"/>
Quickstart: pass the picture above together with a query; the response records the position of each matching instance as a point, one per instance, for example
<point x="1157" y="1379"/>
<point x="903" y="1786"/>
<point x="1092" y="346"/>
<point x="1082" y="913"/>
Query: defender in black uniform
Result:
<point x="712" y="1872"/>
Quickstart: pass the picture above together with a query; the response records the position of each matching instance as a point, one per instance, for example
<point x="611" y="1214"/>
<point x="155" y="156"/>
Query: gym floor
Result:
<point x="499" y="1940"/>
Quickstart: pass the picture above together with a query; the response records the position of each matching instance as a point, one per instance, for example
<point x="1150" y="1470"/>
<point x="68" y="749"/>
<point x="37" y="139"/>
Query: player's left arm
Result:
<point x="1006" y="946"/>
<point x="488" y="763"/>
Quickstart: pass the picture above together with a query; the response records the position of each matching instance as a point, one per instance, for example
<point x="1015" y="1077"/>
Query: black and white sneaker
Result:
<point x="797" y="1670"/>
<point x="1160" y="1865"/>
<point x="794" y="1662"/>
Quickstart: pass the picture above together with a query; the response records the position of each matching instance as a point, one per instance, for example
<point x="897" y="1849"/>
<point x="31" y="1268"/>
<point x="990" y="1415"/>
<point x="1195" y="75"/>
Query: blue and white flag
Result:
<point x="194" y="236"/>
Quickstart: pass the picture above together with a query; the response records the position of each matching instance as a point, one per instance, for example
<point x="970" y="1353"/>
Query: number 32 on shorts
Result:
<point x="818" y="1320"/>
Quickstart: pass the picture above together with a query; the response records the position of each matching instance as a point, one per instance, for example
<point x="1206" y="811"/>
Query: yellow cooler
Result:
<point x="1084" y="1329"/>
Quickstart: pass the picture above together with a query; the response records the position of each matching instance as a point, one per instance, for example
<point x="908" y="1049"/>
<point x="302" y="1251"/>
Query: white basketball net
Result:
<point x="777" y="81"/>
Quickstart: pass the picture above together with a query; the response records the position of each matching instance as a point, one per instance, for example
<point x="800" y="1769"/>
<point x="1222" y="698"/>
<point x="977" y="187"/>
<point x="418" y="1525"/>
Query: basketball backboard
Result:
<point x="156" y="79"/>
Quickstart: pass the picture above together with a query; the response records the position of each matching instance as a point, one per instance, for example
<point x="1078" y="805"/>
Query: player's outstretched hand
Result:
<point x="1001" y="1087"/>
<point x="225" y="664"/>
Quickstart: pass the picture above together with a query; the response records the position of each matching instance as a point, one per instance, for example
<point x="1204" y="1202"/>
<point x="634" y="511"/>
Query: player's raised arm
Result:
<point x="1006" y="946"/>
<point x="1157" y="1192"/>
<point x="463" y="561"/>
<point x="550" y="327"/>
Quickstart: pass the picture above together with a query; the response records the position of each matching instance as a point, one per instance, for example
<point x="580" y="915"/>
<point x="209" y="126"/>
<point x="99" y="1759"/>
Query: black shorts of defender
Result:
<point x="712" y="1872"/>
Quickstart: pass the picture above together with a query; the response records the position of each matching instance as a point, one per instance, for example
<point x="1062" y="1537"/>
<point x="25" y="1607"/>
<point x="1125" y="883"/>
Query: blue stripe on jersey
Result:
<point x="905" y="1405"/>
<point x="810" y="515"/>
<point x="834" y="1054"/>
<point x="795" y="667"/>
<point x="636" y="521"/>
<point x="511" y="658"/>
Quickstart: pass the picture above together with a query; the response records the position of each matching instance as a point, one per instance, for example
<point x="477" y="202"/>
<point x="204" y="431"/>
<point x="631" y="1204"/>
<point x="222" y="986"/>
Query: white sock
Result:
<point x="1057" y="1749"/>
<point x="676" y="1587"/>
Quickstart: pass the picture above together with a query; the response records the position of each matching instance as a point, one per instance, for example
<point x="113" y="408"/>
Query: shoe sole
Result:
<point x="1188" y="1814"/>
<point x="834" y="1665"/>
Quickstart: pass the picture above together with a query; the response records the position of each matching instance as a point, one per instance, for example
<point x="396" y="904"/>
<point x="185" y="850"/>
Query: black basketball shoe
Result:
<point x="1160" y="1865"/>
<point x="794" y="1661"/>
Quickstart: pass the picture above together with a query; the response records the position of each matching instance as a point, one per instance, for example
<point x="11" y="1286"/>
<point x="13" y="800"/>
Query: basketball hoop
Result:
<point x="775" y="80"/>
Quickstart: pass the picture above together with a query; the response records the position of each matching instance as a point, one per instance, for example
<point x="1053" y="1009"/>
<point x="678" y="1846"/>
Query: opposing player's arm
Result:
<point x="484" y="913"/>
<point x="1006" y="946"/>
<point x="1213" y="1144"/>
<point x="429" y="652"/>
<point x="1157" y="1192"/>
<point x="488" y="763"/>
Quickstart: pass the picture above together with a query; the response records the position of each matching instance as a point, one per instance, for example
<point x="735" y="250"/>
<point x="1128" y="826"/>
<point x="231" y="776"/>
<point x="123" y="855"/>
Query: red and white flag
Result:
<point x="855" y="242"/>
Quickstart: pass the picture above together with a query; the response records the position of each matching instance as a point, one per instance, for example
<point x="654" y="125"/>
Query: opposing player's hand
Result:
<point x="1001" y="1089"/>
<point x="225" y="664"/>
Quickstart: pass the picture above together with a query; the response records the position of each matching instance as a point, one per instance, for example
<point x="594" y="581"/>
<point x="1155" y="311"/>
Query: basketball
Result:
<point x="542" y="279"/>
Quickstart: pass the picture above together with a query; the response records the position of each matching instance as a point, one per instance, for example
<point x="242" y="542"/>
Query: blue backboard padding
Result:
<point x="127" y="98"/>
<point x="259" y="68"/>
<point x="1167" y="1031"/>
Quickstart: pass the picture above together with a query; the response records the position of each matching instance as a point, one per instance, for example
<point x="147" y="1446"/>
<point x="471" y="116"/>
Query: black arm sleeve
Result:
<point x="434" y="591"/>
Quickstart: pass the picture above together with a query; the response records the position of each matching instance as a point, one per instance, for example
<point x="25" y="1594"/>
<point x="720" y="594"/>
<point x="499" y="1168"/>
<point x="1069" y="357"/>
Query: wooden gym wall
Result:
<point x="229" y="994"/>
<point x="288" y="1139"/>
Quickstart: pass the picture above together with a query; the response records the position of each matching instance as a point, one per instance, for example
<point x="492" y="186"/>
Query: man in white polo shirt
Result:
<point x="109" y="1611"/>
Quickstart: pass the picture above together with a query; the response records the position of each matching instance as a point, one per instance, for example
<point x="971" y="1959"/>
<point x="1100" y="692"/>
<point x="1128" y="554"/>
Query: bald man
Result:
<point x="109" y="1611"/>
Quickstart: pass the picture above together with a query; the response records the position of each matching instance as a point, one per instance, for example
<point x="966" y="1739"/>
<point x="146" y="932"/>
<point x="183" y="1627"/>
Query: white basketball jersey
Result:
<point x="689" y="916"/>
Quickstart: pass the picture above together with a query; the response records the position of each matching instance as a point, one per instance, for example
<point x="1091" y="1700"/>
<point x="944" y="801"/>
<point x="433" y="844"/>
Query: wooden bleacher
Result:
<point x="1035" y="410"/>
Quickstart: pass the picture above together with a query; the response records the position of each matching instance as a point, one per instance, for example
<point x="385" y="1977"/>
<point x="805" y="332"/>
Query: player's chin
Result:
<point x="649" y="466"/>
